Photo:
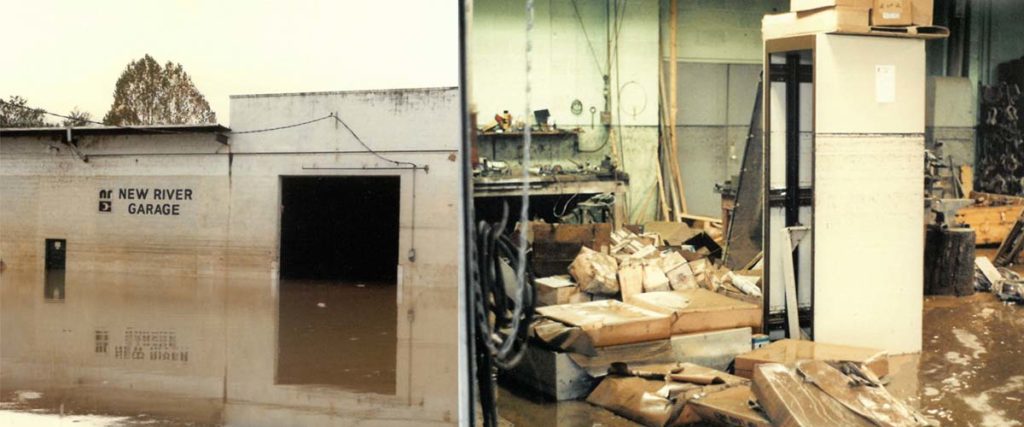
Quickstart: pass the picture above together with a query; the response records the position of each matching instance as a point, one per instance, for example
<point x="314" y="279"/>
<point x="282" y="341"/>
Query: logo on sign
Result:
<point x="106" y="205"/>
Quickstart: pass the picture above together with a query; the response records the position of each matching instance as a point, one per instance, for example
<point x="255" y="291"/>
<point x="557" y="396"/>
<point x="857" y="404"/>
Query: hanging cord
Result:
<point x="502" y="321"/>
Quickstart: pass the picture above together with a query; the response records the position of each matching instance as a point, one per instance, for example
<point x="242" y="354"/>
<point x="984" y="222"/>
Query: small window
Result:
<point x="56" y="256"/>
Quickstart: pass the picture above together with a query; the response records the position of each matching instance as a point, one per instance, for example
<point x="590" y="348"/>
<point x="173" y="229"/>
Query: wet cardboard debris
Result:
<point x="788" y="352"/>
<point x="657" y="395"/>
<point x="611" y="322"/>
<point x="734" y="406"/>
<point x="700" y="310"/>
<point x="790" y="401"/>
<point x="595" y="272"/>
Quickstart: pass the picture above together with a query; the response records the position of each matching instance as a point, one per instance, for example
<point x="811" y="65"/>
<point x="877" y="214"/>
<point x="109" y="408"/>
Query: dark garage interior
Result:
<point x="339" y="255"/>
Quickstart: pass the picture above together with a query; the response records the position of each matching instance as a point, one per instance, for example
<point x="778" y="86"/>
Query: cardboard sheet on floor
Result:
<point x="859" y="392"/>
<point x="700" y="310"/>
<point x="789" y="401"/>
<point x="788" y="352"/>
<point x="611" y="322"/>
<point x="729" y="407"/>
<point x="660" y="402"/>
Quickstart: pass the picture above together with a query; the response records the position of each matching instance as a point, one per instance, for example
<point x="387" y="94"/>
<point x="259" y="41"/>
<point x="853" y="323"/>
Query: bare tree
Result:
<point x="15" y="113"/>
<point x="148" y="94"/>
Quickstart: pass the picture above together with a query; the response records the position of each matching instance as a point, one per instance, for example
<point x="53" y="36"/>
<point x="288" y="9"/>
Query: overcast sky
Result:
<point x="62" y="54"/>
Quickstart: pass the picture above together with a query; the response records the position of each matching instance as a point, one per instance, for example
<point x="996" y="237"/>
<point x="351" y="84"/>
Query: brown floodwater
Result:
<point x="67" y="357"/>
<point x="338" y="333"/>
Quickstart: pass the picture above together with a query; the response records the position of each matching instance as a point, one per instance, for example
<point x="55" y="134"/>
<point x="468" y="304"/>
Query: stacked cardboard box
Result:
<point x="905" y="18"/>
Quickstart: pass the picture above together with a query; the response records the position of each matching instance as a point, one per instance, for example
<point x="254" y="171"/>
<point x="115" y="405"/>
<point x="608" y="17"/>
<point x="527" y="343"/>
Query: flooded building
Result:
<point x="297" y="269"/>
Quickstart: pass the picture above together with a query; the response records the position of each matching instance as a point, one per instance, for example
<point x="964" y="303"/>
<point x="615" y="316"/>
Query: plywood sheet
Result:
<point x="869" y="241"/>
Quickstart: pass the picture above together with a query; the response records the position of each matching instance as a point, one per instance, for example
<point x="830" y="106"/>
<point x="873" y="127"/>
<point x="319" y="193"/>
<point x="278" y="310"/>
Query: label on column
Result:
<point x="885" y="84"/>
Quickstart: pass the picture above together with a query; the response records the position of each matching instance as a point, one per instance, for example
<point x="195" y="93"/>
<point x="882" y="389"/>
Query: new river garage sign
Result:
<point x="145" y="200"/>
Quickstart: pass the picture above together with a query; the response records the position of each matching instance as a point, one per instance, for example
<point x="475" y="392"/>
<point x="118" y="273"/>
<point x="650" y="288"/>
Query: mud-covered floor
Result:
<point x="970" y="372"/>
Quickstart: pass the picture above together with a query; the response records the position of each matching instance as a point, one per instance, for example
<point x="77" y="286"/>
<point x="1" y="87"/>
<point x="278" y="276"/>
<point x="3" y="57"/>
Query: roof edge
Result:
<point x="348" y="92"/>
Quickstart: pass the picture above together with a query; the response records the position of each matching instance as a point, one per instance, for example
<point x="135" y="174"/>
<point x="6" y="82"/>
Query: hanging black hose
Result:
<point x="501" y="322"/>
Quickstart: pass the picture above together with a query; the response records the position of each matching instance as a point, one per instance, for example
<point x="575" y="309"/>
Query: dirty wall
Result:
<point x="180" y="304"/>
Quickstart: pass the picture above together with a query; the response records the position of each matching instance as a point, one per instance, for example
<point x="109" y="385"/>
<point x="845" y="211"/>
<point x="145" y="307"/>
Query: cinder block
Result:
<point x="550" y="373"/>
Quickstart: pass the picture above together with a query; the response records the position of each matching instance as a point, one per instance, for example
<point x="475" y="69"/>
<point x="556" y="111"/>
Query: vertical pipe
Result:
<point x="792" y="139"/>
<point x="467" y="398"/>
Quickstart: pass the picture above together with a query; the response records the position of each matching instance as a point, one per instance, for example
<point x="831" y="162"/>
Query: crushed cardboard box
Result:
<point x="788" y="352"/>
<point x="733" y="406"/>
<point x="595" y="272"/>
<point x="820" y="393"/>
<point x="657" y="395"/>
<point x="859" y="391"/>
<point x="611" y="322"/>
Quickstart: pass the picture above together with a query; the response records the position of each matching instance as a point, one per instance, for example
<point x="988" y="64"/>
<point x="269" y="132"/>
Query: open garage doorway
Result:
<point x="338" y="301"/>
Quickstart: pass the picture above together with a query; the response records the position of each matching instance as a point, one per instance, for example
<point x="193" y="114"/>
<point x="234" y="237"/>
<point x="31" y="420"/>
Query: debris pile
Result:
<point x="639" y="263"/>
<point x="788" y="383"/>
<point x="1003" y="282"/>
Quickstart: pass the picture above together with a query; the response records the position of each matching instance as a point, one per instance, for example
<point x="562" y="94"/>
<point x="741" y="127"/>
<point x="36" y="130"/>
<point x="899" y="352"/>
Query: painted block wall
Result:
<point x="951" y="113"/>
<point x="868" y="175"/>
<point x="209" y="275"/>
<point x="565" y="67"/>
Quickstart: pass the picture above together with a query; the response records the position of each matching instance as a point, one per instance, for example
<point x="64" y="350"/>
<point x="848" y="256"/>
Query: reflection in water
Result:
<point x="117" y="344"/>
<point x="339" y="334"/>
<point x="157" y="345"/>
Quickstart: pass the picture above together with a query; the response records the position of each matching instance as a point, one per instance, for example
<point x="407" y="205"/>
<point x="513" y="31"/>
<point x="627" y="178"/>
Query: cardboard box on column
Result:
<point x="920" y="11"/>
<point x="839" y="19"/>
<point x="892" y="13"/>
<point x="802" y="5"/>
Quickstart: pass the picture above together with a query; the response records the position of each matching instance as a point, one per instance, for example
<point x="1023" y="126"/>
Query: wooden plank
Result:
<point x="990" y="223"/>
<point x="966" y="179"/>
<point x="673" y="82"/>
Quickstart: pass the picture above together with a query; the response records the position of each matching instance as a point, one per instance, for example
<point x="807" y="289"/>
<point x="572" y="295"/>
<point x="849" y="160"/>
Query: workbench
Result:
<point x="554" y="185"/>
